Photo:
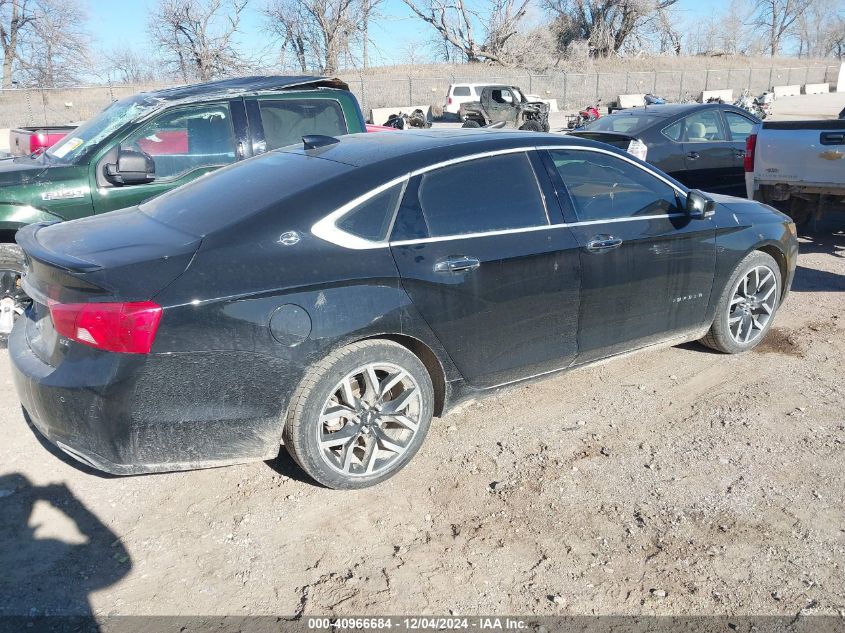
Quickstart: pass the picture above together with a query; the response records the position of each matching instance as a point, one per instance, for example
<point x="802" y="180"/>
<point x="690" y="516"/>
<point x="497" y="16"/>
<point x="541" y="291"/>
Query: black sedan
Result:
<point x="335" y="296"/>
<point x="702" y="145"/>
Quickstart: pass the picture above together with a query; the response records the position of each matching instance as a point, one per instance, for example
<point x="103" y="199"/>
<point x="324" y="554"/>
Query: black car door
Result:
<point x="739" y="128"/>
<point x="708" y="154"/>
<point x="490" y="267"/>
<point x="646" y="267"/>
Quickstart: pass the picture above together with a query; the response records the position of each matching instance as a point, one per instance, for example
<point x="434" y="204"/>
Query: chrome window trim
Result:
<point x="327" y="230"/>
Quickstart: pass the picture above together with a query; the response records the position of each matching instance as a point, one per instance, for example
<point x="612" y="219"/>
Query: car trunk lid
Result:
<point x="123" y="256"/>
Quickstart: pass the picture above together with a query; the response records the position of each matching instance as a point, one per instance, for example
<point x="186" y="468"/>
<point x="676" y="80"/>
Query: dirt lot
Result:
<point x="677" y="481"/>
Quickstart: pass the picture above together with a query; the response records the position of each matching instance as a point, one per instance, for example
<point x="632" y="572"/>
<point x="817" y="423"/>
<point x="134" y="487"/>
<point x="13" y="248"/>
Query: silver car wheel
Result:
<point x="370" y="419"/>
<point x="752" y="305"/>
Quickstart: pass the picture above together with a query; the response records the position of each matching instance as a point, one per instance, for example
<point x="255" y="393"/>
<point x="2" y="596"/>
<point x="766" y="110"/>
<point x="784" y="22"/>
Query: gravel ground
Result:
<point x="678" y="481"/>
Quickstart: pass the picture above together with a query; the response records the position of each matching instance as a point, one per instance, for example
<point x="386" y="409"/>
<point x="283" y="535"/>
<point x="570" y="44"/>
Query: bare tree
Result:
<point x="320" y="32"/>
<point x="606" y="25"/>
<point x="779" y="18"/>
<point x="15" y="15"/>
<point x="480" y="30"/>
<point x="198" y="36"/>
<point x="129" y="66"/>
<point x="53" y="51"/>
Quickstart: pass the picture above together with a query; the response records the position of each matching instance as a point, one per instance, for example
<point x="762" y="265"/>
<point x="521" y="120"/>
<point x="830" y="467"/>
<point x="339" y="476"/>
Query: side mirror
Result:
<point x="133" y="167"/>
<point x="699" y="206"/>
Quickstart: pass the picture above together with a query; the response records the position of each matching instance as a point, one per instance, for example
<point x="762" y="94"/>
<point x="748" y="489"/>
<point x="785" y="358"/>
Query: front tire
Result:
<point x="532" y="126"/>
<point x="13" y="300"/>
<point x="360" y="415"/>
<point x="747" y="306"/>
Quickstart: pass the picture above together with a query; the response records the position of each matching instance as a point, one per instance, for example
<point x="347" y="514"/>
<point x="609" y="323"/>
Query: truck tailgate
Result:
<point x="810" y="152"/>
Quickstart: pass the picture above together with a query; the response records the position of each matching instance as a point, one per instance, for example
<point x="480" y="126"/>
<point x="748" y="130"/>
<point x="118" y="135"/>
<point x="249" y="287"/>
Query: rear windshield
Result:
<point x="227" y="196"/>
<point x="625" y="123"/>
<point x="461" y="91"/>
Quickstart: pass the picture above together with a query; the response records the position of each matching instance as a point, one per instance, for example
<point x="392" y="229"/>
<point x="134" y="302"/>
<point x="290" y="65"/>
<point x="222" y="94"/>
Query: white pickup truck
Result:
<point x="797" y="167"/>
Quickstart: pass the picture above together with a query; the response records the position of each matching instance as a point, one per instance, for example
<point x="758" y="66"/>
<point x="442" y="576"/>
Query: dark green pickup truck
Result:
<point x="150" y="143"/>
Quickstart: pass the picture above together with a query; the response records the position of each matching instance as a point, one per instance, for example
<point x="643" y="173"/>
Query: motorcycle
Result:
<point x="416" y="119"/>
<point x="587" y="115"/>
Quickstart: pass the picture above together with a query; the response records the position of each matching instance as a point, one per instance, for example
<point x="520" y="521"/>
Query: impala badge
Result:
<point x="289" y="238"/>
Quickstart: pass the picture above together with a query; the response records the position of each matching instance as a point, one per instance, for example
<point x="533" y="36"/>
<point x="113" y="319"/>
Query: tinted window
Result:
<point x="287" y="121"/>
<point x="703" y="127"/>
<point x="740" y="126"/>
<point x="622" y="123"/>
<point x="183" y="140"/>
<point x="487" y="194"/>
<point x="603" y="187"/>
<point x="461" y="91"/>
<point x="231" y="194"/>
<point x="371" y="219"/>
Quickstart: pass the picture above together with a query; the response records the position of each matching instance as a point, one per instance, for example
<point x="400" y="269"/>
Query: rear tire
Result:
<point x="360" y="414"/>
<point x="532" y="126"/>
<point x="13" y="300"/>
<point x="471" y="123"/>
<point x="747" y="306"/>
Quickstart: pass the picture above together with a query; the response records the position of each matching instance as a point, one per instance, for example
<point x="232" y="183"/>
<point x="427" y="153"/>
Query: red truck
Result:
<point x="24" y="141"/>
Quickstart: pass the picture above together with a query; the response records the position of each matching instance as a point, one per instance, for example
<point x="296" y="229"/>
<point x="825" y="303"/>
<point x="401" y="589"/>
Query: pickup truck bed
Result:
<point x="24" y="141"/>
<point x="799" y="167"/>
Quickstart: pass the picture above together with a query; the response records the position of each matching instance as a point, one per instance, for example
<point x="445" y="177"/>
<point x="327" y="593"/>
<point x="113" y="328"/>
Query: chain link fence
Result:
<point x="58" y="106"/>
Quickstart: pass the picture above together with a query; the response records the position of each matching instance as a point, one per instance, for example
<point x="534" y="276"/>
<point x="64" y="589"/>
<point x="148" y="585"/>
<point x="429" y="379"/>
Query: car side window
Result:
<point x="675" y="131"/>
<point x="181" y="141"/>
<point x="740" y="126"/>
<point x="703" y="127"/>
<point x="604" y="187"/>
<point x="371" y="219"/>
<point x="460" y="91"/>
<point x="495" y="193"/>
<point x="286" y="121"/>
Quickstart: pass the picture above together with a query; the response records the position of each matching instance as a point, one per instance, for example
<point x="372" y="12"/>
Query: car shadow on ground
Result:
<point x="284" y="465"/>
<point x="54" y="552"/>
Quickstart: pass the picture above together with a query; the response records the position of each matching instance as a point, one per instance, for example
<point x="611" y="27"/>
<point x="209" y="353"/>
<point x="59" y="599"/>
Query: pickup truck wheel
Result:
<point x="532" y="126"/>
<point x="799" y="211"/>
<point x="13" y="300"/>
<point x="747" y="306"/>
<point x="360" y="414"/>
<point x="471" y="123"/>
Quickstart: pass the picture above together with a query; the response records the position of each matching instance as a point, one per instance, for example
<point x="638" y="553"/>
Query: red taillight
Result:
<point x="37" y="142"/>
<point x="450" y="100"/>
<point x="750" y="148"/>
<point x="114" y="327"/>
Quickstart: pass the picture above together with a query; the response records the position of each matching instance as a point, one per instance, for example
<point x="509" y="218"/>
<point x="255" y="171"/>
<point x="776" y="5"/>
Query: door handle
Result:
<point x="602" y="243"/>
<point x="457" y="264"/>
<point x="693" y="155"/>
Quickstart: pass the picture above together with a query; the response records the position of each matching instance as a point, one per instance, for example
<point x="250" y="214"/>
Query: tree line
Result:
<point x="48" y="43"/>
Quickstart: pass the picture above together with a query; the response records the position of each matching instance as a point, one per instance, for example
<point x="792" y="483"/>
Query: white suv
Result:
<point x="461" y="93"/>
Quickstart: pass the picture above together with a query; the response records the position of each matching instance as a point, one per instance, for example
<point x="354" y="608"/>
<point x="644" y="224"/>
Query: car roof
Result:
<point x="669" y="109"/>
<point x="396" y="154"/>
<point x="240" y="85"/>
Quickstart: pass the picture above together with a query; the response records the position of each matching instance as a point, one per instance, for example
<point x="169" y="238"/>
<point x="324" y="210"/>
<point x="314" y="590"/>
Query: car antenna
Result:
<point x="313" y="141"/>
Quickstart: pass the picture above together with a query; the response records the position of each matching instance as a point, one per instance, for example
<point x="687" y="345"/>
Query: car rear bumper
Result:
<point x="127" y="414"/>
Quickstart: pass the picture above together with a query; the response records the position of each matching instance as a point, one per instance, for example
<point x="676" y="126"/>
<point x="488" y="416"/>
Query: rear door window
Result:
<point x="703" y="127"/>
<point x="286" y="121"/>
<point x="496" y="193"/>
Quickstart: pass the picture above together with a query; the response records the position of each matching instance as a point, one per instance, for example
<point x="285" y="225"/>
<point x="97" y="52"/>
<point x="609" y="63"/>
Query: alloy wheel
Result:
<point x="753" y="304"/>
<point x="369" y="420"/>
